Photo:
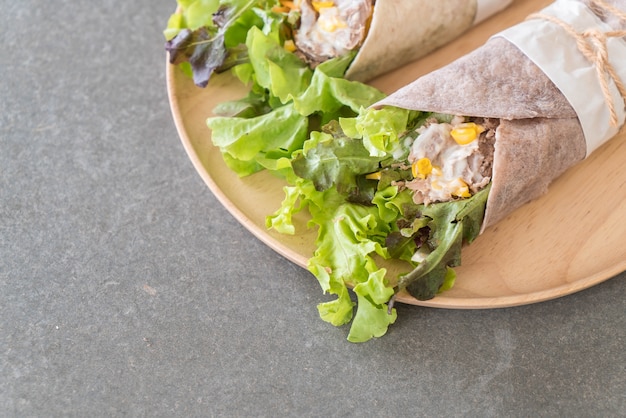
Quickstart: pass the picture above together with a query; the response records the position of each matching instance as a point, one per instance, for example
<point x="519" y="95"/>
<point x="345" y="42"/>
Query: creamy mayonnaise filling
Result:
<point x="447" y="161"/>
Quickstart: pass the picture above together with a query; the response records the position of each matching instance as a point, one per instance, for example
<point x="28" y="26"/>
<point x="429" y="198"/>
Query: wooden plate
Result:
<point x="570" y="239"/>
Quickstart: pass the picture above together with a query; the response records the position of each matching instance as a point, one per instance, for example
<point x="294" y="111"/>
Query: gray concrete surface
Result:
<point x="127" y="290"/>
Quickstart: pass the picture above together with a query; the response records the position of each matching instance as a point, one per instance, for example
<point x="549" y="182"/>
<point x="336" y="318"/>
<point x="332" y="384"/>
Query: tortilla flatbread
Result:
<point x="403" y="31"/>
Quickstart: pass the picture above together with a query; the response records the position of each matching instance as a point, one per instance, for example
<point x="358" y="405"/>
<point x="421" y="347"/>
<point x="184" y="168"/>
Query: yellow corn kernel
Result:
<point x="374" y="176"/>
<point x="465" y="133"/>
<point x="462" y="190"/>
<point x="318" y="5"/>
<point x="421" y="168"/>
<point x="289" y="45"/>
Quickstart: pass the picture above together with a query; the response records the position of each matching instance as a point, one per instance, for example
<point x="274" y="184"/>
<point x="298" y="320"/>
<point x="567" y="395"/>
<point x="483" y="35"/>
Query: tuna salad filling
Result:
<point x="329" y="29"/>
<point x="450" y="160"/>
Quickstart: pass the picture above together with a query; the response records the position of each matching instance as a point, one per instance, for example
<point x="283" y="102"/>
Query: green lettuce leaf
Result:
<point x="372" y="317"/>
<point x="282" y="219"/>
<point x="282" y="73"/>
<point x="245" y="143"/>
<point x="379" y="129"/>
<point x="450" y="225"/>
<point x="328" y="92"/>
<point x="254" y="104"/>
<point x="347" y="238"/>
<point x="392" y="203"/>
<point x="333" y="160"/>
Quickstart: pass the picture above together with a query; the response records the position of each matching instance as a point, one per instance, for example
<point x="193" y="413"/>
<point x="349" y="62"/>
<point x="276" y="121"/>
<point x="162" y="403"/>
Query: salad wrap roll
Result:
<point x="387" y="33"/>
<point x="540" y="134"/>
<point x="457" y="150"/>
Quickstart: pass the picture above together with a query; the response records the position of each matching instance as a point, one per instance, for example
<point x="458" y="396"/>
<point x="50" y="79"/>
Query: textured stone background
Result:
<point x="127" y="290"/>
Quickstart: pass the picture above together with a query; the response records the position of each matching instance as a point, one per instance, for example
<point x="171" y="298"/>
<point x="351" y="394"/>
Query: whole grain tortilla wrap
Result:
<point x="539" y="135"/>
<point x="399" y="31"/>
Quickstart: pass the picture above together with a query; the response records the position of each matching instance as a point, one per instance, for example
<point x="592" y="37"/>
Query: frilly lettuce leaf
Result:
<point x="379" y="129"/>
<point x="281" y="220"/>
<point x="346" y="235"/>
<point x="347" y="239"/>
<point x="373" y="316"/>
<point x="392" y="203"/>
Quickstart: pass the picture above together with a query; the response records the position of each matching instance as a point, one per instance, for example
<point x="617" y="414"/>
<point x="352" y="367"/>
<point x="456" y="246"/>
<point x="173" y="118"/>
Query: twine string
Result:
<point x="593" y="44"/>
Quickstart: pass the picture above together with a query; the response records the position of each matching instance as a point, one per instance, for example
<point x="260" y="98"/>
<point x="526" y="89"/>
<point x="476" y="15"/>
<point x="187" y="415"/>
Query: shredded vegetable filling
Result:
<point x="451" y="160"/>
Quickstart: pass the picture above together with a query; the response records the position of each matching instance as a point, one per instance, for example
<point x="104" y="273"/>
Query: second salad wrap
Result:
<point x="380" y="35"/>
<point x="396" y="32"/>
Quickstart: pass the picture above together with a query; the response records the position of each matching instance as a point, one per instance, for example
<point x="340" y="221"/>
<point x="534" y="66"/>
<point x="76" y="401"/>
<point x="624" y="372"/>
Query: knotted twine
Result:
<point x="592" y="43"/>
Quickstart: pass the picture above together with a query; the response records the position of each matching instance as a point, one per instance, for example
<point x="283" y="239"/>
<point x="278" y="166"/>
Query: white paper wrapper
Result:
<point x="555" y="52"/>
<point x="487" y="8"/>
